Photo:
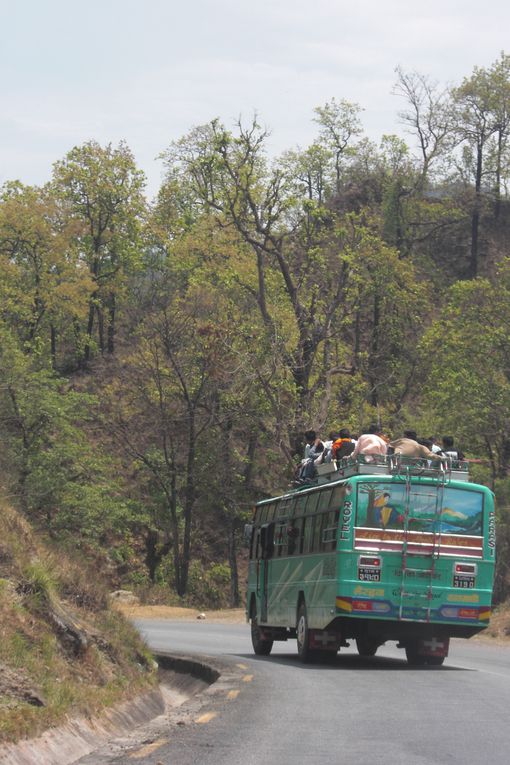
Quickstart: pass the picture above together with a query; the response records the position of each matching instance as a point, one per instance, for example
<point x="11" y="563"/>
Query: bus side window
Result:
<point x="317" y="534"/>
<point x="294" y="536"/>
<point x="324" y="500"/>
<point x="266" y="540"/>
<point x="311" y="505"/>
<point x="280" y="538"/>
<point x="253" y="542"/>
<point x="329" y="530"/>
<point x="338" y="496"/>
<point x="308" y="534"/>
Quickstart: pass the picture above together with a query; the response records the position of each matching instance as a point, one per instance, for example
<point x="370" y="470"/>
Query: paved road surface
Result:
<point x="377" y="711"/>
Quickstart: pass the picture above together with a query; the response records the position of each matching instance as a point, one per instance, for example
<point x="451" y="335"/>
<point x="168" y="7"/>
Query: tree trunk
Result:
<point x="100" y="328"/>
<point x="232" y="559"/>
<point x="111" y="323"/>
<point x="374" y="353"/>
<point x="53" y="346"/>
<point x="90" y="327"/>
<point x="475" y="216"/>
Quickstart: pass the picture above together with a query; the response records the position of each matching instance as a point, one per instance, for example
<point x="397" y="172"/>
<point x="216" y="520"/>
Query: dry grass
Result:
<point x="176" y="613"/>
<point x="44" y="675"/>
<point x="499" y="628"/>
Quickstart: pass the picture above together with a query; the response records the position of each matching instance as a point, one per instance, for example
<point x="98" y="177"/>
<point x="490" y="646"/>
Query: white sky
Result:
<point x="148" y="70"/>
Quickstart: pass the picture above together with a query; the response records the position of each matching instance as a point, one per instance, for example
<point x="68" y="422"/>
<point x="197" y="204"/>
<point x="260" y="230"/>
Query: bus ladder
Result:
<point x="410" y="572"/>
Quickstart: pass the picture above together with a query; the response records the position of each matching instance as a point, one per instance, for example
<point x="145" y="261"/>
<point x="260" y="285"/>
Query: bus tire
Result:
<point x="414" y="658"/>
<point x="261" y="647"/>
<point x="305" y="653"/>
<point x="366" y="647"/>
<point x="435" y="661"/>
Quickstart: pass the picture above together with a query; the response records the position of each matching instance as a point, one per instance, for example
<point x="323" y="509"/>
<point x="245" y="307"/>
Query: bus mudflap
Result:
<point x="433" y="646"/>
<point x="325" y="640"/>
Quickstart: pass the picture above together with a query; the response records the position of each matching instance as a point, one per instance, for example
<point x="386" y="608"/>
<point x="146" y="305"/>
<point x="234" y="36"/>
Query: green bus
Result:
<point x="392" y="549"/>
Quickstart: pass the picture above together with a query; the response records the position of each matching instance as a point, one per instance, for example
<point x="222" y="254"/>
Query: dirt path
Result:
<point x="226" y="616"/>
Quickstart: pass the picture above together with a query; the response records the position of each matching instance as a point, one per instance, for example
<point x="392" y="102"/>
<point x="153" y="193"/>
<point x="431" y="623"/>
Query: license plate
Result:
<point x="464" y="582"/>
<point x="369" y="574"/>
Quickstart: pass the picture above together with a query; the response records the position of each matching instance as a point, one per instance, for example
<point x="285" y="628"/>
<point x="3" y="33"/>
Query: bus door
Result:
<point x="266" y="553"/>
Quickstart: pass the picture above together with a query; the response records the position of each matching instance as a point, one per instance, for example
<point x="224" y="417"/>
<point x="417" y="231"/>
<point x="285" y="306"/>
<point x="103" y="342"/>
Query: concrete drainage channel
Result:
<point x="118" y="728"/>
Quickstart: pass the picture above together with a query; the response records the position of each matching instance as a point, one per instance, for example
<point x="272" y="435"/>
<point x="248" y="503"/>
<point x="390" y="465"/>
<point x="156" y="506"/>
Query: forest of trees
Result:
<point x="159" y="361"/>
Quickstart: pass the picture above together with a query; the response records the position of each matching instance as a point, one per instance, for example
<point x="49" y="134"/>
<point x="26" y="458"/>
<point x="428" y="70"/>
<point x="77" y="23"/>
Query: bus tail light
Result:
<point x="465" y="568"/>
<point x="476" y="613"/>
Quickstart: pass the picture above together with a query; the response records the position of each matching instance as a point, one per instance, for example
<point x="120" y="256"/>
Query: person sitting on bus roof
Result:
<point x="328" y="446"/>
<point x="307" y="471"/>
<point x="310" y="438"/>
<point x="435" y="446"/>
<point x="370" y="444"/>
<point x="409" y="447"/>
<point x="343" y="445"/>
<point x="450" y="450"/>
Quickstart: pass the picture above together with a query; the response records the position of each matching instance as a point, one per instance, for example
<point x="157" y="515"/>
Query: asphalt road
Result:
<point x="274" y="710"/>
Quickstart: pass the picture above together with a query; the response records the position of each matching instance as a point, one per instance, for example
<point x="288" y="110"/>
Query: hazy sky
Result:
<point x="147" y="71"/>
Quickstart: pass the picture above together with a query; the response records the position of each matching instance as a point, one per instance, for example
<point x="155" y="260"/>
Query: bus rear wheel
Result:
<point x="261" y="646"/>
<point x="366" y="647"/>
<point x="414" y="658"/>
<point x="435" y="661"/>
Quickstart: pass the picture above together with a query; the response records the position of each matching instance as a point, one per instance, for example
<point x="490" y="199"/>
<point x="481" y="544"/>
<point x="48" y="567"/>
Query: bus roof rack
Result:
<point x="396" y="465"/>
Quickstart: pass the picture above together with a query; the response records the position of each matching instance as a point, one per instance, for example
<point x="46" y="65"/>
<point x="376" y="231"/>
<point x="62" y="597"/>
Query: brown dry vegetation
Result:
<point x="499" y="627"/>
<point x="176" y="613"/>
<point x="63" y="651"/>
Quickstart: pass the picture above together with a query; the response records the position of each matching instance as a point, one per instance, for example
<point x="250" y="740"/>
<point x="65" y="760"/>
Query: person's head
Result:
<point x="334" y="435"/>
<point x="344" y="433"/>
<point x="373" y="429"/>
<point x="310" y="436"/>
<point x="448" y="442"/>
<point x="410" y="434"/>
<point x="426" y="442"/>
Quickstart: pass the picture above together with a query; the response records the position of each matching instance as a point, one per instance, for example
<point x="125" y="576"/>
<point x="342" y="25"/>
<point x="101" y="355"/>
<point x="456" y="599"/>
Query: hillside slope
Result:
<point x="63" y="651"/>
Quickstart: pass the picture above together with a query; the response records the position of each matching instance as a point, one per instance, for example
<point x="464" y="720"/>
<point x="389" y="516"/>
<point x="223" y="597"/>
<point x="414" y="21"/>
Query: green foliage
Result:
<point x="64" y="483"/>
<point x="208" y="585"/>
<point x="158" y="365"/>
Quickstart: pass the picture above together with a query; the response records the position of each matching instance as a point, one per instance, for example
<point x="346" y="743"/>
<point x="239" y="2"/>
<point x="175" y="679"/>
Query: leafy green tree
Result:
<point x="466" y="353"/>
<point x="339" y="123"/>
<point x="64" y="483"/>
<point x="44" y="287"/>
<point x="429" y="117"/>
<point x="102" y="190"/>
<point x="481" y="107"/>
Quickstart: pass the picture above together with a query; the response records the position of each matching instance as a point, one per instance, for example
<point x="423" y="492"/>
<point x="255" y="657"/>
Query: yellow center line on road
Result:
<point x="148" y="749"/>
<point x="205" y="718"/>
<point x="247" y="678"/>
<point x="242" y="666"/>
<point x="232" y="695"/>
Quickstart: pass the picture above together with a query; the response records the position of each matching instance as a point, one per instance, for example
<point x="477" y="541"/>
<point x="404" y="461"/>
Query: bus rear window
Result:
<point x="384" y="505"/>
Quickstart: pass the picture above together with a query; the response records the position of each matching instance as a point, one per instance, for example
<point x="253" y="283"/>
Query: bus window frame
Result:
<point x="266" y="540"/>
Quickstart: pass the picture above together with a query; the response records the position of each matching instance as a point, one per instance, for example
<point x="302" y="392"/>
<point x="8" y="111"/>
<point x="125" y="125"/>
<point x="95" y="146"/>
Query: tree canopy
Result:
<point x="160" y="361"/>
